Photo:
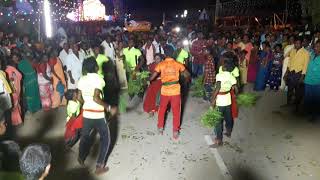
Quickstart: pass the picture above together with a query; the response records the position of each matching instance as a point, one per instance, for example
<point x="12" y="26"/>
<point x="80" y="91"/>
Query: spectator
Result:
<point x="312" y="83"/>
<point x="35" y="162"/>
<point x="198" y="51"/>
<point x="297" y="68"/>
<point x="74" y="66"/>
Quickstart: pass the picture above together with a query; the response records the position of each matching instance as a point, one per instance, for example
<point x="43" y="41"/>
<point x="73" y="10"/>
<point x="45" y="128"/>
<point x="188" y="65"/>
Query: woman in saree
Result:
<point x="264" y="59"/>
<point x="153" y="92"/>
<point x="30" y="84"/>
<point x="253" y="64"/>
<point x="44" y="80"/>
<point x="121" y="71"/>
<point x="58" y="80"/>
<point x="15" y="78"/>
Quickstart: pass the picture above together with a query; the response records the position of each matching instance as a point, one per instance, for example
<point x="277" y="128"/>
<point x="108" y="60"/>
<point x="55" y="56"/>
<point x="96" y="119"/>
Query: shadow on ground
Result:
<point x="242" y="173"/>
<point x="61" y="156"/>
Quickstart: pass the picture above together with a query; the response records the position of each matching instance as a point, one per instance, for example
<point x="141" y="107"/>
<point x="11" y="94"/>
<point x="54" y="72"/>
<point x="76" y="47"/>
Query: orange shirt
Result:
<point x="169" y="70"/>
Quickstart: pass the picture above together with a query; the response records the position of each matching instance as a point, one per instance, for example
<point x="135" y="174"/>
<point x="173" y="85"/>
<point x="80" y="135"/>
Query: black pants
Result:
<point x="86" y="140"/>
<point x="227" y="116"/>
<point x="295" y="88"/>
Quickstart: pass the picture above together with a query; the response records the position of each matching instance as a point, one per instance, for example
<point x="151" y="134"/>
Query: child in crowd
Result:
<point x="222" y="99"/>
<point x="209" y="77"/>
<point x="274" y="79"/>
<point x="74" y="118"/>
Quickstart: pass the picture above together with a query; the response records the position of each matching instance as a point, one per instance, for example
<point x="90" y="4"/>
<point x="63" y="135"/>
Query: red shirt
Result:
<point x="197" y="50"/>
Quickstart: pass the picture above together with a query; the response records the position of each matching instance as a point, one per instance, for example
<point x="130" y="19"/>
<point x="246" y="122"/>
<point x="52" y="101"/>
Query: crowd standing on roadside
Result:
<point x="87" y="71"/>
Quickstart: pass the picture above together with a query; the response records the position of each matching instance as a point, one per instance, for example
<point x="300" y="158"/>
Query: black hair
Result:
<point x="69" y="94"/>
<point x="278" y="45"/>
<point x="89" y="65"/>
<point x="160" y="55"/>
<point x="298" y="38"/>
<point x="229" y="61"/>
<point x="34" y="160"/>
<point x="168" y="51"/>
<point x="101" y="49"/>
<point x="3" y="62"/>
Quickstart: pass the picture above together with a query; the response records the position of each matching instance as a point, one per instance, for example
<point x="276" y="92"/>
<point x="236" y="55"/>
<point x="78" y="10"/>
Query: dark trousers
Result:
<point x="86" y="140"/>
<point x="208" y="92"/>
<point x="312" y="99"/>
<point x="197" y="70"/>
<point x="295" y="88"/>
<point x="227" y="117"/>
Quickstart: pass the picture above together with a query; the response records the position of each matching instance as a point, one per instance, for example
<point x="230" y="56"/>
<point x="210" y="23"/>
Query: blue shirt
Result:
<point x="313" y="71"/>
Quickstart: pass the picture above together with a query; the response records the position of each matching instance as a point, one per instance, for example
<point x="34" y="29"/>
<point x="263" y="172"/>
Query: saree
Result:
<point x="15" y="77"/>
<point x="58" y="82"/>
<point x="121" y="71"/>
<point x="30" y="86"/>
<point x="45" y="86"/>
<point x="253" y="66"/>
<point x="150" y="101"/>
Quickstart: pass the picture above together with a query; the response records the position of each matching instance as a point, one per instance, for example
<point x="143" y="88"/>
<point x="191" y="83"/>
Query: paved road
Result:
<point x="139" y="153"/>
<point x="271" y="143"/>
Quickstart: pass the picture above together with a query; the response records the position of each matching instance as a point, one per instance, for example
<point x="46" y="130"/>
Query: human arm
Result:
<point x="140" y="63"/>
<point x="71" y="78"/>
<point x="153" y="76"/>
<point x="97" y="99"/>
<point x="215" y="93"/>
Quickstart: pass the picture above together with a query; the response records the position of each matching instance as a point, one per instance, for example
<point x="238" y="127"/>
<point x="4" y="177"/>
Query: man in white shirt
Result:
<point x="149" y="51"/>
<point x="157" y="45"/>
<point x="74" y="66"/>
<point x="109" y="48"/>
<point x="64" y="53"/>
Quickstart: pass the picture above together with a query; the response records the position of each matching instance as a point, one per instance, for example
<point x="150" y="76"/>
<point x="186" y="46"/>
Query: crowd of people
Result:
<point x="86" y="73"/>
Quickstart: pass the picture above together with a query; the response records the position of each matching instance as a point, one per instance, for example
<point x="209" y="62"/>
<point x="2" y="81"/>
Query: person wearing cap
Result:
<point x="169" y="71"/>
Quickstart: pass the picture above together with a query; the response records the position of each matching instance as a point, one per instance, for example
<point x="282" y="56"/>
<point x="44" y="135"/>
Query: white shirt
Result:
<point x="157" y="46"/>
<point x="149" y="53"/>
<point x="63" y="56"/>
<point x="87" y="85"/>
<point x="109" y="50"/>
<point x="74" y="64"/>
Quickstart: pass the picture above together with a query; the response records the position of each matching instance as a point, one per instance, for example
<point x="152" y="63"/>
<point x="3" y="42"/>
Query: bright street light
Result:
<point x="47" y="17"/>
<point x="177" y="29"/>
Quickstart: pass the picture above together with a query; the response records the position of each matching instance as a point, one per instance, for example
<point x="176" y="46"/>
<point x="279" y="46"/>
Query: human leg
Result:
<point x="85" y="140"/>
<point x="164" y="100"/>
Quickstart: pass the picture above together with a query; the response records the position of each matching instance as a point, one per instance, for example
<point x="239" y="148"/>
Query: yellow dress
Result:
<point x="243" y="71"/>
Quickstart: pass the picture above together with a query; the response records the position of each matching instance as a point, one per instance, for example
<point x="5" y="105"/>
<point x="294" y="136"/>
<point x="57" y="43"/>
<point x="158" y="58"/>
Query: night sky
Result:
<point x="165" y="4"/>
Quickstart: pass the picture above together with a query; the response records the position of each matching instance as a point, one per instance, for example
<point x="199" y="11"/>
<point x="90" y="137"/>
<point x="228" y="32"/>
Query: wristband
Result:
<point x="109" y="108"/>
